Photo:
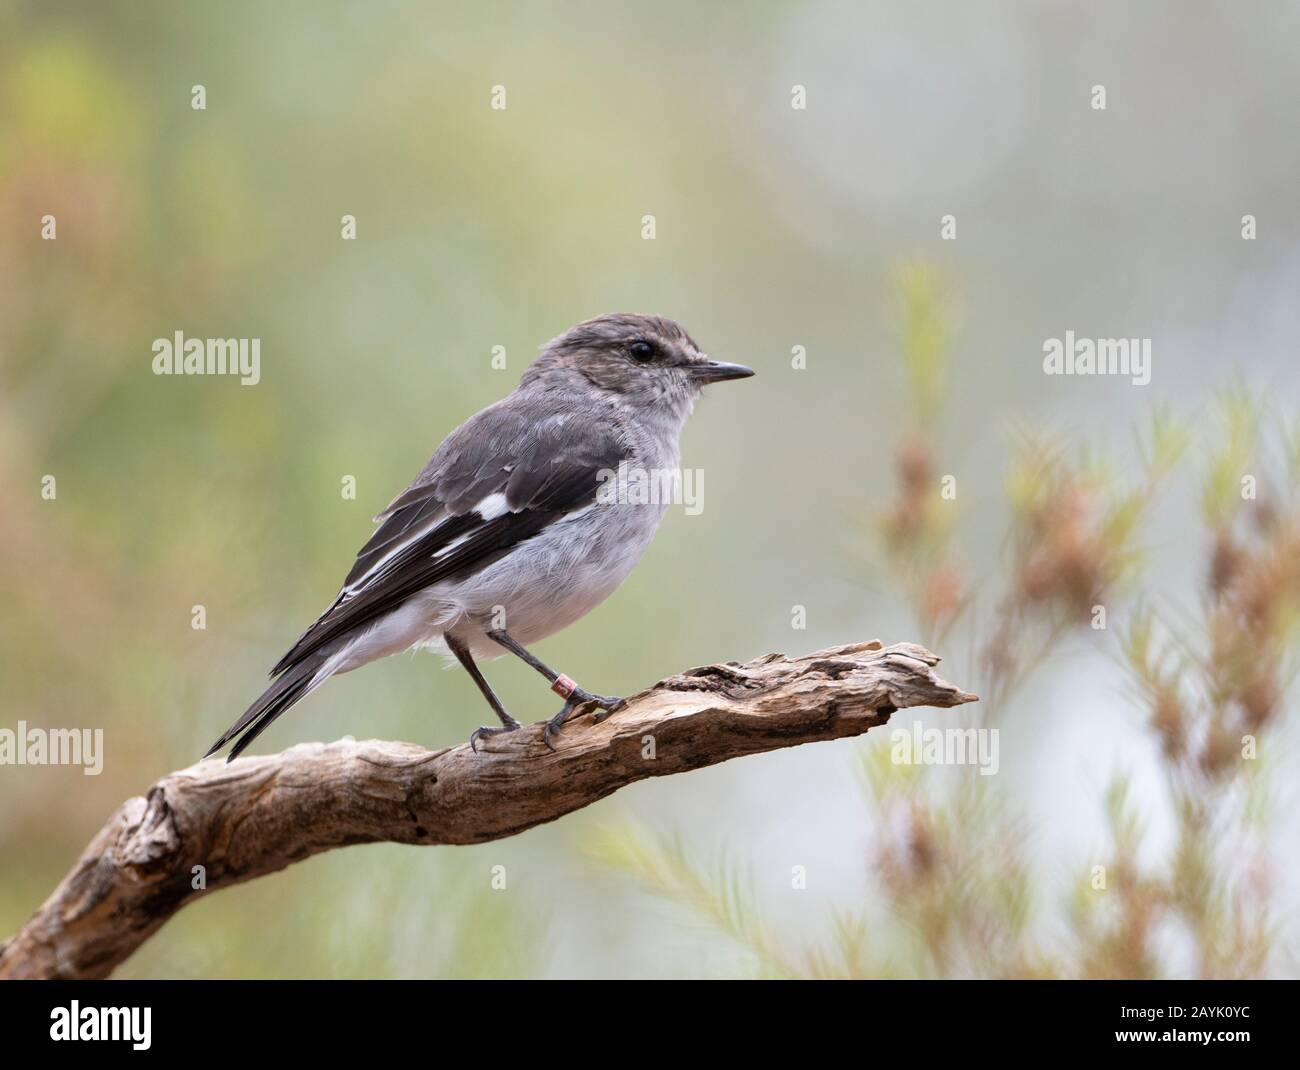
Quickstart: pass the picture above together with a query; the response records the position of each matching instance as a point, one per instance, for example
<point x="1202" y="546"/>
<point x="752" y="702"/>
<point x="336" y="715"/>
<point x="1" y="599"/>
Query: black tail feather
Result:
<point x="272" y="702"/>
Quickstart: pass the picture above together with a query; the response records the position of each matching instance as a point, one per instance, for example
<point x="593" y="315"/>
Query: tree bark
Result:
<point x="254" y="816"/>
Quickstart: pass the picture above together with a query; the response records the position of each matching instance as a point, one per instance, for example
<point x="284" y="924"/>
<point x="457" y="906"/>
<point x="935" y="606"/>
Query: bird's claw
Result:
<point x="602" y="712"/>
<point x="484" y="732"/>
<point x="481" y="733"/>
<point x="555" y="723"/>
<point x="604" y="707"/>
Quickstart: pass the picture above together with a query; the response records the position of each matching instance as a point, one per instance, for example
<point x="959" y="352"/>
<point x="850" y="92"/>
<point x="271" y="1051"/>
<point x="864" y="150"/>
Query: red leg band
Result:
<point x="564" y="686"/>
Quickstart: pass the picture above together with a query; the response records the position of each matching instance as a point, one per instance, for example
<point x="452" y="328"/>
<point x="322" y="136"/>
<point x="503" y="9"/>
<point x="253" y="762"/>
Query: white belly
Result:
<point x="559" y="576"/>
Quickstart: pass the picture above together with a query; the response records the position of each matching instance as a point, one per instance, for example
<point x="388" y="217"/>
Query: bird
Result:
<point x="514" y="529"/>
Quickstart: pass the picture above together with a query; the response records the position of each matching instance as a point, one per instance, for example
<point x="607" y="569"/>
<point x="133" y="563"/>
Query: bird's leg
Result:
<point x="509" y="724"/>
<point x="564" y="686"/>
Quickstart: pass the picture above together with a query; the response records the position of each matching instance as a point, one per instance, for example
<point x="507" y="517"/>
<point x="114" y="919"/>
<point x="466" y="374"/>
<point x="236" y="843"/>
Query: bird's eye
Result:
<point x="641" y="351"/>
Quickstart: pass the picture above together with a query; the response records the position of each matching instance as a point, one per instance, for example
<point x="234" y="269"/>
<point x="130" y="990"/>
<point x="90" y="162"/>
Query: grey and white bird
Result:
<point x="505" y="536"/>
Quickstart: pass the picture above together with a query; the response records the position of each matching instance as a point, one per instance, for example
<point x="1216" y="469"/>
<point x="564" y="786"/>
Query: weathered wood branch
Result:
<point x="258" y="815"/>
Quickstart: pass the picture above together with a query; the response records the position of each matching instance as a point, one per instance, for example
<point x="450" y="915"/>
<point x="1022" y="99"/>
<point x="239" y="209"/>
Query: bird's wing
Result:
<point x="499" y="479"/>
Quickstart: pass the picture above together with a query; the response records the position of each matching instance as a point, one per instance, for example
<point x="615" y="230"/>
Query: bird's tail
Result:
<point x="288" y="688"/>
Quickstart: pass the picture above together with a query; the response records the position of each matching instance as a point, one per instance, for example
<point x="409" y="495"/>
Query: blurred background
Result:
<point x="775" y="227"/>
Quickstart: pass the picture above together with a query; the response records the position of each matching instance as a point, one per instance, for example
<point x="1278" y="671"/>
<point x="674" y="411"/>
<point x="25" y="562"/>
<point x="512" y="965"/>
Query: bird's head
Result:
<point x="648" y="363"/>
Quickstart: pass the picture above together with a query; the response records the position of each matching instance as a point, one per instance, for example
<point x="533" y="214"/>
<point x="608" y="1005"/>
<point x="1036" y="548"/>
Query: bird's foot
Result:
<point x="606" y="706"/>
<point x="485" y="732"/>
<point x="578" y="697"/>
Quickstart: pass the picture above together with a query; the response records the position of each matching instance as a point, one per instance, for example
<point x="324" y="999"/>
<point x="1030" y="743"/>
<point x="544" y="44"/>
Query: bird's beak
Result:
<point x="715" y="371"/>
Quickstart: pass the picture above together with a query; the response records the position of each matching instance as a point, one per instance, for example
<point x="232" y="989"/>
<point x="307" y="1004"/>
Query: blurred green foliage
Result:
<point x="478" y="228"/>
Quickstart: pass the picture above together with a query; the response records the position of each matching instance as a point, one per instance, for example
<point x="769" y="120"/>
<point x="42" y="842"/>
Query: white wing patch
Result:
<point x="491" y="507"/>
<point x="452" y="545"/>
<point x="377" y="569"/>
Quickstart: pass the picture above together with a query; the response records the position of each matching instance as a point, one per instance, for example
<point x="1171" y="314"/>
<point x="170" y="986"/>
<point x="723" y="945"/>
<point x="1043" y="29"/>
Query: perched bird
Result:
<point x="506" y="537"/>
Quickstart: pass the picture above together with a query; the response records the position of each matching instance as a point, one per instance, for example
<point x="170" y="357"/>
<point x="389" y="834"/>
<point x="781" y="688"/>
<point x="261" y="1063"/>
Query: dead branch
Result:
<point x="258" y="815"/>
